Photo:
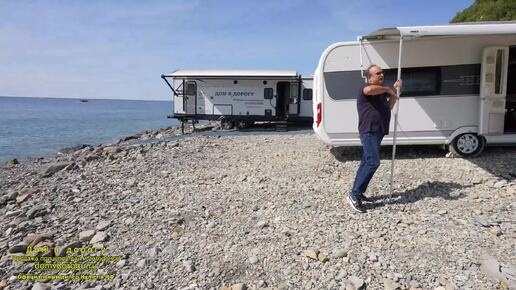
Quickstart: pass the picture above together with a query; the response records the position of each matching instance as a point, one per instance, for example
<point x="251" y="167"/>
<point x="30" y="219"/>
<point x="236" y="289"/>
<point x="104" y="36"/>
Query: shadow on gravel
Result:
<point x="344" y="154"/>
<point x="444" y="190"/>
<point x="497" y="160"/>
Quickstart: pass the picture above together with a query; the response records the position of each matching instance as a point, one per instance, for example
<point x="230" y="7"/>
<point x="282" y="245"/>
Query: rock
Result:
<point x="262" y="224"/>
<point x="13" y="213"/>
<point x="253" y="259"/>
<point x="11" y="195"/>
<point x="121" y="263"/>
<point x="99" y="237"/>
<point x="500" y="184"/>
<point x="127" y="138"/>
<point x="189" y="267"/>
<point x="111" y="149"/>
<point x="495" y="231"/>
<point x="312" y="254"/>
<point x="72" y="149"/>
<point x="3" y="284"/>
<point x="37" y="211"/>
<point x="86" y="236"/>
<point x="414" y="284"/>
<point x="72" y="245"/>
<point x="131" y="182"/>
<point x="18" y="248"/>
<point x="41" y="286"/>
<point x="54" y="168"/>
<point x="340" y="253"/>
<point x="357" y="282"/>
<point x="102" y="225"/>
<point x="492" y="269"/>
<point x="141" y="263"/>
<point x="390" y="285"/>
<point x="22" y="198"/>
<point x="322" y="257"/>
<point x="33" y="239"/>
<point x="152" y="252"/>
<point x="481" y="220"/>
<point x="11" y="163"/>
<point x="440" y="288"/>
<point x="239" y="286"/>
<point x="128" y="221"/>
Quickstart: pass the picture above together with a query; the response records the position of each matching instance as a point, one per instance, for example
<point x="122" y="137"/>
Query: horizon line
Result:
<point x="73" y="98"/>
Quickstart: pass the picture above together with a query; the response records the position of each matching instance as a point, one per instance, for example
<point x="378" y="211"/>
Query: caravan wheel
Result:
<point x="227" y="124"/>
<point x="242" y="125"/>
<point x="467" y="145"/>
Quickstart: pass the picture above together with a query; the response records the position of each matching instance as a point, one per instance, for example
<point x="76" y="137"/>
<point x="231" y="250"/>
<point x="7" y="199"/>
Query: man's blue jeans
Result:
<point x="369" y="163"/>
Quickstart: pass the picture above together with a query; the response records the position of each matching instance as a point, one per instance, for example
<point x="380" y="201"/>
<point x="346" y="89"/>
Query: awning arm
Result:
<point x="170" y="86"/>
<point x="360" y="38"/>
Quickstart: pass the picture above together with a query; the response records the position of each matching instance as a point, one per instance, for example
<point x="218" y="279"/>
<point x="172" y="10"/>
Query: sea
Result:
<point x="39" y="127"/>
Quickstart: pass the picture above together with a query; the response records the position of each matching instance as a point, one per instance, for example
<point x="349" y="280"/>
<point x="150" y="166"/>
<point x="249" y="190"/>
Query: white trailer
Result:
<point x="459" y="85"/>
<point x="241" y="97"/>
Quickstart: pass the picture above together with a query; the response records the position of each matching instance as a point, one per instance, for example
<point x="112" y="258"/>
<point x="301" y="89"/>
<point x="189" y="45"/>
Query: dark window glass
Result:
<point x="190" y="89"/>
<point x="416" y="81"/>
<point x="307" y="94"/>
<point x="268" y="93"/>
<point x="498" y="72"/>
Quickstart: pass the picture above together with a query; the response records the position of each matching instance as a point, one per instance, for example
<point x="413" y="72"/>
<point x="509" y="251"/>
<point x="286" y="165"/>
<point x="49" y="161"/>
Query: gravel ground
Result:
<point x="262" y="211"/>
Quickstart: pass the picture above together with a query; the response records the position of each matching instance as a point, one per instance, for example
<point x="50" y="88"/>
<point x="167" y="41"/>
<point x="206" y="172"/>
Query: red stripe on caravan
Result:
<point x="319" y="114"/>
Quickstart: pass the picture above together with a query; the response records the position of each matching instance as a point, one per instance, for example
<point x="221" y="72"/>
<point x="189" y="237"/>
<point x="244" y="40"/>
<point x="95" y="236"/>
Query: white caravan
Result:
<point x="241" y="97"/>
<point x="459" y="85"/>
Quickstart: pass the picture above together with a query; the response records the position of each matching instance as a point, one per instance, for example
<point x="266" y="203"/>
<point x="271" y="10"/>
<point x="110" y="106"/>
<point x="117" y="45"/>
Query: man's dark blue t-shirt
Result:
<point x="374" y="113"/>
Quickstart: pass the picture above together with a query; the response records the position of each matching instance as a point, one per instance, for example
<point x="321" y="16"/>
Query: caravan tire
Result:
<point x="227" y="124"/>
<point x="243" y="125"/>
<point x="467" y="145"/>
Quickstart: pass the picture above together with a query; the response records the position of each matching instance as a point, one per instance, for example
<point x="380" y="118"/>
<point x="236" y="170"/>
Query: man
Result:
<point x="374" y="105"/>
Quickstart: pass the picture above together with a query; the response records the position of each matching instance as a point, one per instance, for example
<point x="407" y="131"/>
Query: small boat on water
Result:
<point x="83" y="100"/>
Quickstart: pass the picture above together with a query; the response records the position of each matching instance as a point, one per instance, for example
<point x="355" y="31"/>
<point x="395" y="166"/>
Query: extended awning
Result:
<point x="473" y="28"/>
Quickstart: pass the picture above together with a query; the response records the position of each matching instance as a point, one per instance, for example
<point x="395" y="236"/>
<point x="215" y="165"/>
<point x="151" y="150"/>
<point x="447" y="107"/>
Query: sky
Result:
<point x="106" y="49"/>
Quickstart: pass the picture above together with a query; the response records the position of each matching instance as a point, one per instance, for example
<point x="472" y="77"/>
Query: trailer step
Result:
<point x="281" y="126"/>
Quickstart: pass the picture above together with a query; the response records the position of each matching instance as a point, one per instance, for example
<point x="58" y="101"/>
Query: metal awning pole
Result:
<point x="396" y="111"/>
<point x="360" y="38"/>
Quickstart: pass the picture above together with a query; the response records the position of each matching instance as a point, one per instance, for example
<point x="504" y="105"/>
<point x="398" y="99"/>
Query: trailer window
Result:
<point x="191" y="88"/>
<point x="294" y="90"/>
<point x="268" y="93"/>
<point x="417" y="81"/>
<point x="498" y="72"/>
<point x="307" y="94"/>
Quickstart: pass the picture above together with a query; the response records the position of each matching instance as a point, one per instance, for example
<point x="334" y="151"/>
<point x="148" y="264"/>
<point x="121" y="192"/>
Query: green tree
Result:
<point x="487" y="10"/>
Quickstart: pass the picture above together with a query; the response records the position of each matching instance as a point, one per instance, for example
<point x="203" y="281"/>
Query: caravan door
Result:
<point x="293" y="104"/>
<point x="190" y="98"/>
<point x="493" y="88"/>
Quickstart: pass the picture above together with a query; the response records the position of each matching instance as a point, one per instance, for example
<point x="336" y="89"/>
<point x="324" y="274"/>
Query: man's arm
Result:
<point x="372" y="90"/>
<point x="392" y="100"/>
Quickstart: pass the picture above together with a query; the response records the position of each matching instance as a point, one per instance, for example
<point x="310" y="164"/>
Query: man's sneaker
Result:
<point x="364" y="198"/>
<point x="356" y="204"/>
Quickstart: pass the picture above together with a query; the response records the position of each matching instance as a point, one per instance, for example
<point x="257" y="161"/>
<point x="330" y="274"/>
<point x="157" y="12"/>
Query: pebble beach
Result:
<point x="261" y="211"/>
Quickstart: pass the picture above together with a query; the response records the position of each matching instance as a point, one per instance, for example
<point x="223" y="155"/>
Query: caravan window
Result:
<point x="416" y="81"/>
<point x="268" y="93"/>
<point x="498" y="72"/>
<point x="293" y="90"/>
<point x="307" y="94"/>
<point x="191" y="89"/>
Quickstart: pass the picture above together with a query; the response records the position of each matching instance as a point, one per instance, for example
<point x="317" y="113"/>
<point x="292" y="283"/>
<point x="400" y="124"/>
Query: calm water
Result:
<point x="34" y="127"/>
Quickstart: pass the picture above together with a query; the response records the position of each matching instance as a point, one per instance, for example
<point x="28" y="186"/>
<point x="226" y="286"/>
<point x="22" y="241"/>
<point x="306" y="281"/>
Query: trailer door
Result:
<point x="293" y="104"/>
<point x="190" y="98"/>
<point x="493" y="88"/>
